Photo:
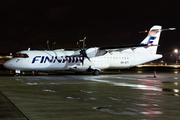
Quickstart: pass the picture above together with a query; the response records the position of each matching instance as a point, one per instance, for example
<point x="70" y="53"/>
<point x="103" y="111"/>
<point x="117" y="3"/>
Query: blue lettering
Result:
<point x="58" y="59"/>
<point x="48" y="59"/>
<point x="34" y="59"/>
<point x="42" y="59"/>
<point x="53" y="59"/>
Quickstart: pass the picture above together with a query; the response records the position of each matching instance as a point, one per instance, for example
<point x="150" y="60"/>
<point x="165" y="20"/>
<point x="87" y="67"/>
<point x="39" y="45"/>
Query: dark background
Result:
<point x="31" y="23"/>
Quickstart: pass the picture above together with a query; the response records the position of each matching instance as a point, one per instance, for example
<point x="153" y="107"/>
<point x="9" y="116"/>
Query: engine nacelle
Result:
<point x="91" y="52"/>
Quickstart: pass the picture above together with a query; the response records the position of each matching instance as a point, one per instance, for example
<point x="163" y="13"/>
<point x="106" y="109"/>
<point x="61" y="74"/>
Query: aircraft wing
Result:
<point x="99" y="51"/>
<point x="121" y="48"/>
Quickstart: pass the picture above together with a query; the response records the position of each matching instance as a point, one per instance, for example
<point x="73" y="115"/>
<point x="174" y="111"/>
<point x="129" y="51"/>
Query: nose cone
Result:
<point x="8" y="64"/>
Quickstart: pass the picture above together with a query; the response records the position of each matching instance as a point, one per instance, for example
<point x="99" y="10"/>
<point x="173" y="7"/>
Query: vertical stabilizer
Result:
<point x="152" y="39"/>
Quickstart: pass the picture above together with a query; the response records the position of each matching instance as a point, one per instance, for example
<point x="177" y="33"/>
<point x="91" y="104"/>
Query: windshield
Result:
<point x="21" y="55"/>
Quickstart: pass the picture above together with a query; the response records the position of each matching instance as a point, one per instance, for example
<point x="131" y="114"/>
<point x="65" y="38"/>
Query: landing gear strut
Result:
<point x="17" y="73"/>
<point x="96" y="72"/>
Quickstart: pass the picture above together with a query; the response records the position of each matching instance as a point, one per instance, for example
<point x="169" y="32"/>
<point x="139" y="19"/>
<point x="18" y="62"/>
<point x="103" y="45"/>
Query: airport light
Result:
<point x="176" y="50"/>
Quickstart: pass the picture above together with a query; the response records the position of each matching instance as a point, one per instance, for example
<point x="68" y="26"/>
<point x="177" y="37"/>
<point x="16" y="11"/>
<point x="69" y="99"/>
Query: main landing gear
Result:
<point x="96" y="72"/>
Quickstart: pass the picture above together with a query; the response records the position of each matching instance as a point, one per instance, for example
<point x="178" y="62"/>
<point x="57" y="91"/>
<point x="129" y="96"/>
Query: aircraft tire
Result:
<point x="96" y="72"/>
<point x="17" y="75"/>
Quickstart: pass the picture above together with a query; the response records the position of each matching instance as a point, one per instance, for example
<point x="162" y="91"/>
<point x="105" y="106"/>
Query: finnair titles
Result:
<point x="69" y="59"/>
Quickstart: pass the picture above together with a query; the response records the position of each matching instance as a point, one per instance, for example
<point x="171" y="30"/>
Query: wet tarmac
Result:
<point x="133" y="94"/>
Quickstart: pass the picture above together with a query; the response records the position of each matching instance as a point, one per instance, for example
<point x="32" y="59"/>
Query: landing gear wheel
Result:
<point x="96" y="72"/>
<point x="16" y="74"/>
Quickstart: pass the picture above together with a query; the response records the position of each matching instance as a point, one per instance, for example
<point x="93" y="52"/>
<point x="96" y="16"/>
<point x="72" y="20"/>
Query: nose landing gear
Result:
<point x="17" y="73"/>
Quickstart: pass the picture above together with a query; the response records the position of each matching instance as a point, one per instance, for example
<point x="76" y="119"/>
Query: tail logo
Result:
<point x="152" y="35"/>
<point x="151" y="39"/>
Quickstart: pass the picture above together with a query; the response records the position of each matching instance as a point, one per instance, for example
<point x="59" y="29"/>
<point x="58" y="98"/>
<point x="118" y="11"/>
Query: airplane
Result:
<point x="94" y="59"/>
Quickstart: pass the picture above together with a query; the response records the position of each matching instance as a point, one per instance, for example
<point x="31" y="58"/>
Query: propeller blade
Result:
<point x="84" y="42"/>
<point x="88" y="59"/>
<point x="48" y="44"/>
<point x="53" y="45"/>
<point x="83" y="61"/>
<point x="79" y="46"/>
<point x="85" y="55"/>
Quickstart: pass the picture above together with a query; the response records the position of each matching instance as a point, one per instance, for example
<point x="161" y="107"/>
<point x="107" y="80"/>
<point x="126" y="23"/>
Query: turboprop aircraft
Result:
<point x="93" y="59"/>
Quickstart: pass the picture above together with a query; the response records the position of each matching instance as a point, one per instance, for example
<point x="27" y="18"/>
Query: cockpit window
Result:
<point x="21" y="55"/>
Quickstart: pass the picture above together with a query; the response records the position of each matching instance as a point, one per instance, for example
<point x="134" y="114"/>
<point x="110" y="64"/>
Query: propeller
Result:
<point x="83" y="51"/>
<point x="51" y="46"/>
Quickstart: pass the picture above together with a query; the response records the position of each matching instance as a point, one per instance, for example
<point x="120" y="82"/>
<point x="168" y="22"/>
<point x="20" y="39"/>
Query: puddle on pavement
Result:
<point x="83" y="99"/>
<point x="174" y="92"/>
<point x="126" y="111"/>
<point x="171" y="91"/>
<point x="134" y="86"/>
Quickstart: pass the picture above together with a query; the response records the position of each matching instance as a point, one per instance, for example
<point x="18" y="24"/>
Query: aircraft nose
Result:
<point x="7" y="64"/>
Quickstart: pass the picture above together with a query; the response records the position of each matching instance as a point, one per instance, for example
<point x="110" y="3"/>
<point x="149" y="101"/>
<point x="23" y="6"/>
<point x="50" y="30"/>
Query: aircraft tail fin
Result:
<point x="152" y="39"/>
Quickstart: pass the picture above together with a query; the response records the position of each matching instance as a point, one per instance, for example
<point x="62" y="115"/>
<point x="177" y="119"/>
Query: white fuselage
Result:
<point x="64" y="60"/>
<point x="93" y="59"/>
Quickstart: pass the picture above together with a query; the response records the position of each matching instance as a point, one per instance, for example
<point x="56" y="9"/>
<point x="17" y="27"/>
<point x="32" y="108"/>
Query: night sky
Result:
<point x="31" y="23"/>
